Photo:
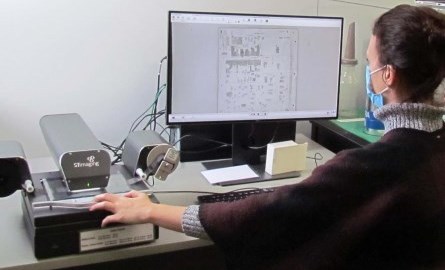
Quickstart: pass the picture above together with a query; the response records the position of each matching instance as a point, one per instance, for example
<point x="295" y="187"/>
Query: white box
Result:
<point x="284" y="157"/>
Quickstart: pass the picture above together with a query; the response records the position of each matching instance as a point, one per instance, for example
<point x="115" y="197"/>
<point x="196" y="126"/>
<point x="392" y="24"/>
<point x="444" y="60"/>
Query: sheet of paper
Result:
<point x="229" y="174"/>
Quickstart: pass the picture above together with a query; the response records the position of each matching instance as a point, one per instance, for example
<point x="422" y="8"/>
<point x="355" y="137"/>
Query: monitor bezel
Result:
<point x="223" y="121"/>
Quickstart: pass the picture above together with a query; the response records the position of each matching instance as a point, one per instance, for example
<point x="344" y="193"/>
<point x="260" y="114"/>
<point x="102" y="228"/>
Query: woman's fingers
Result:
<point x="110" y="219"/>
<point x="133" y="194"/>
<point x="106" y="197"/>
<point x="103" y="205"/>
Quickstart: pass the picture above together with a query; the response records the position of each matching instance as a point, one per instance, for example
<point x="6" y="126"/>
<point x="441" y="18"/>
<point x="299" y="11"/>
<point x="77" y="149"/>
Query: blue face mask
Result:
<point x="376" y="99"/>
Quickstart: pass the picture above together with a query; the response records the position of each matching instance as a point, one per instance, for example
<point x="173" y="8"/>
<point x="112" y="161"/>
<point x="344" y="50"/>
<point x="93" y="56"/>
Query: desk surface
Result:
<point x="16" y="251"/>
<point x="356" y="127"/>
<point x="339" y="135"/>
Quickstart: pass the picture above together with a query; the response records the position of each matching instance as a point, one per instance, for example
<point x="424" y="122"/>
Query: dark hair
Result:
<point x="412" y="40"/>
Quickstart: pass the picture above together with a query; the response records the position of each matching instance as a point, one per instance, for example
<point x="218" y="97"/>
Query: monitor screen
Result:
<point x="240" y="67"/>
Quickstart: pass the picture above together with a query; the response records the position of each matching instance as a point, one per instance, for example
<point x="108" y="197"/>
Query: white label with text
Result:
<point x="115" y="236"/>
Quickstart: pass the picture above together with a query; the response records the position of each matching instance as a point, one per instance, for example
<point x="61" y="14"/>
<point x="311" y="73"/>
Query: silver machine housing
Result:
<point x="82" y="160"/>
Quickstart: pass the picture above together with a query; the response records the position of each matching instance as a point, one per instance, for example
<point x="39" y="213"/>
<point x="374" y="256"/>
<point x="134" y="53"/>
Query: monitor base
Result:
<point x="257" y="168"/>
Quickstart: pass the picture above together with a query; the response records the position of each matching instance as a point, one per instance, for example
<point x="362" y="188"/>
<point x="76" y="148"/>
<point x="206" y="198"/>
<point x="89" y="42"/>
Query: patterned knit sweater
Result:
<point x="377" y="207"/>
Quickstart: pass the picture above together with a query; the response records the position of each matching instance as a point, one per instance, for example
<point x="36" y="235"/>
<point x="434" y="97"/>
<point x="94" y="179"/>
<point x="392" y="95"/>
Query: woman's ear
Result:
<point x="390" y="76"/>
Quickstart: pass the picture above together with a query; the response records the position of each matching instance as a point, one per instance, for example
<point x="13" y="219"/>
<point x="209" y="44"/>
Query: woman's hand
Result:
<point x="131" y="208"/>
<point x="136" y="207"/>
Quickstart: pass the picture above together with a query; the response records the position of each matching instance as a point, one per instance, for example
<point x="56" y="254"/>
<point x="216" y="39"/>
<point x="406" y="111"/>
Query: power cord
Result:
<point x="152" y="118"/>
<point x="159" y="81"/>
<point x="201" y="138"/>
<point x="143" y="115"/>
<point x="204" y="150"/>
<point x="263" y="146"/>
<point x="196" y="191"/>
<point x="317" y="157"/>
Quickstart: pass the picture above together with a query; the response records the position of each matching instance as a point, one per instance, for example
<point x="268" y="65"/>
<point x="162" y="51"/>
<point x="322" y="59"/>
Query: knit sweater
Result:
<point x="377" y="207"/>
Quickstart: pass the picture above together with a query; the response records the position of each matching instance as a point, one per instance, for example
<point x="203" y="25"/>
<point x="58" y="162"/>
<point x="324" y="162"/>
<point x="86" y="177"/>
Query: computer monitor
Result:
<point x="252" y="71"/>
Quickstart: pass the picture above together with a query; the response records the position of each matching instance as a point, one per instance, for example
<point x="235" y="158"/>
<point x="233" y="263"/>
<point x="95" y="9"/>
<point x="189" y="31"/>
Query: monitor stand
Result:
<point x="257" y="168"/>
<point x="249" y="143"/>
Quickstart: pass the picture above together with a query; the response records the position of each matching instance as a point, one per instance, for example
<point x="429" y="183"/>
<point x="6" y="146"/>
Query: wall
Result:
<point x="100" y="58"/>
<point x="363" y="13"/>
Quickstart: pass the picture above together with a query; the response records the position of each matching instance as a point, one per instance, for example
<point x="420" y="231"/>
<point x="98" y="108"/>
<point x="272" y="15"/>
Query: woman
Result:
<point x="377" y="207"/>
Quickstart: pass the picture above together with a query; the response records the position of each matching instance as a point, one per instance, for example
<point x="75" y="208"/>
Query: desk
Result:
<point x="337" y="135"/>
<point x="16" y="251"/>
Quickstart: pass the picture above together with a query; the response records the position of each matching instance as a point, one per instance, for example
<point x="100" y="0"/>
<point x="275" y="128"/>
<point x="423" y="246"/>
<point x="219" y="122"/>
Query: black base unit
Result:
<point x="56" y="231"/>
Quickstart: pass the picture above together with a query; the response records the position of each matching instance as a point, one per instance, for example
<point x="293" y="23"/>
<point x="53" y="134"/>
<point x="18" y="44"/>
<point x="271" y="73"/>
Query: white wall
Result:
<point x="363" y="13"/>
<point x="100" y="58"/>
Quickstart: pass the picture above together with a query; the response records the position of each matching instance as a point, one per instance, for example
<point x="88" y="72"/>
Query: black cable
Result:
<point x="202" y="138"/>
<point x="153" y="119"/>
<point x="148" y="183"/>
<point x="183" y="191"/>
<point x="203" y="192"/>
<point x="132" y="127"/>
<point x="164" y="130"/>
<point x="270" y="141"/>
<point x="317" y="157"/>
<point x="110" y="147"/>
<point x="117" y="150"/>
<point x="158" y="92"/>
<point x="204" y="151"/>
<point x="159" y="80"/>
<point x="116" y="160"/>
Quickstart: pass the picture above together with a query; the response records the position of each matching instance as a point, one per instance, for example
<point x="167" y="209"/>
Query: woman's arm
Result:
<point x="136" y="207"/>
